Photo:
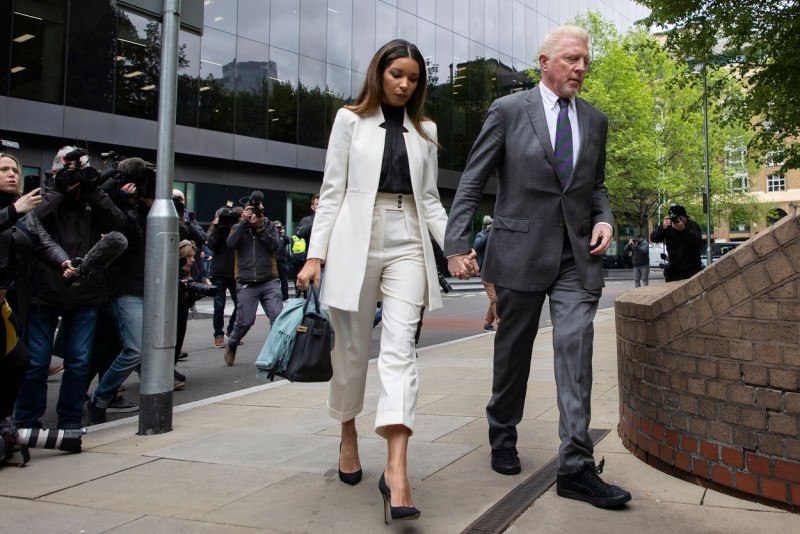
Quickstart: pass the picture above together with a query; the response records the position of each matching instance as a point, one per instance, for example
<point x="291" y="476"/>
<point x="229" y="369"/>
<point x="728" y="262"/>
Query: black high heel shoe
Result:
<point x="398" y="512"/>
<point x="349" y="478"/>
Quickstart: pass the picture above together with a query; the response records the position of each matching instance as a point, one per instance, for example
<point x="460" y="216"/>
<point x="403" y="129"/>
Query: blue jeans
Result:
<point x="78" y="329"/>
<point x="130" y="315"/>
<point x="224" y="284"/>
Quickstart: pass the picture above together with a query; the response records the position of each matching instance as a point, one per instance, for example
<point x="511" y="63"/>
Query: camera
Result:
<point x="256" y="197"/>
<point x="180" y="207"/>
<point x="12" y="435"/>
<point x="674" y="218"/>
<point x="200" y="288"/>
<point x="227" y="217"/>
<point x="75" y="155"/>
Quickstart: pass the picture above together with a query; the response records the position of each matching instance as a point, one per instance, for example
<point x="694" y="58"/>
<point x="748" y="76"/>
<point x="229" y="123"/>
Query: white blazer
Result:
<point x="343" y="220"/>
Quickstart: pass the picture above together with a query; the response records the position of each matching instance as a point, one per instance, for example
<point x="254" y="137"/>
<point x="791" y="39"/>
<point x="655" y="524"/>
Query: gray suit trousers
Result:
<point x="572" y="311"/>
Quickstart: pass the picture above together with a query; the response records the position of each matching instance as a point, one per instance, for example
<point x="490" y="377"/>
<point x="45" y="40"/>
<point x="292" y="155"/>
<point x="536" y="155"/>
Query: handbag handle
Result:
<point x="313" y="294"/>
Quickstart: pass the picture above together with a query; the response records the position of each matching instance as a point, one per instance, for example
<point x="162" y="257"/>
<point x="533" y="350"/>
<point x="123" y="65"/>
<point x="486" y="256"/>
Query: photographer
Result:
<point x="255" y="240"/>
<point x="136" y="188"/>
<point x="684" y="240"/>
<point x="223" y="269"/>
<point x="282" y="259"/>
<point x="306" y="224"/>
<point x="75" y="213"/>
<point x="479" y="244"/>
<point x="189" y="228"/>
<point x="640" y="257"/>
<point x="189" y="292"/>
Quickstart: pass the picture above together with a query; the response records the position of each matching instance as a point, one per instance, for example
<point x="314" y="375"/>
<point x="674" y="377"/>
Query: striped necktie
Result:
<point x="563" y="148"/>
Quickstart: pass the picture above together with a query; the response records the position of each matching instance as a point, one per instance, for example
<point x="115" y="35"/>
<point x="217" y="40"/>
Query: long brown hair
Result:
<point x="369" y="97"/>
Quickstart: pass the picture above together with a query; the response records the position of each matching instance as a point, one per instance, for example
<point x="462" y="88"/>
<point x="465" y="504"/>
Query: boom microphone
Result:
<point x="130" y="167"/>
<point x="258" y="196"/>
<point x="110" y="247"/>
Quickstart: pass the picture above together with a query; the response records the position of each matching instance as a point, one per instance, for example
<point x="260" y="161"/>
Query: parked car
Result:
<point x="658" y="255"/>
<point x="718" y="249"/>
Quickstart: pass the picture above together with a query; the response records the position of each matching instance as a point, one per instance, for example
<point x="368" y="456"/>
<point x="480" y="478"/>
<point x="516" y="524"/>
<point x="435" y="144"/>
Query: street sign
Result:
<point x="191" y="12"/>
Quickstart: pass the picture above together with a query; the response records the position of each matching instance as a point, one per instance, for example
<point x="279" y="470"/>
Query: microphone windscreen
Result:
<point x="258" y="196"/>
<point x="110" y="247"/>
<point x="130" y="167"/>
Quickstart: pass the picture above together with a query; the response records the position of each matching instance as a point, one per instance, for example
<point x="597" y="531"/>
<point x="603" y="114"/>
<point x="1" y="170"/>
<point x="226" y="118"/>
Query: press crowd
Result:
<point x="72" y="278"/>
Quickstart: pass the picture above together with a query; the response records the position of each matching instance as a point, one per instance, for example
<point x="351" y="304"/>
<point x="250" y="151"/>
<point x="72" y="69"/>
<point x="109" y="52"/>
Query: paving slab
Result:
<point x="21" y="515"/>
<point x="51" y="471"/>
<point x="168" y="525"/>
<point x="170" y="488"/>
<point x="551" y="513"/>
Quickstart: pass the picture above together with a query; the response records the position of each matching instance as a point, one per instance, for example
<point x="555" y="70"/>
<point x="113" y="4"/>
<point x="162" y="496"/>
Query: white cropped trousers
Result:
<point x="395" y="275"/>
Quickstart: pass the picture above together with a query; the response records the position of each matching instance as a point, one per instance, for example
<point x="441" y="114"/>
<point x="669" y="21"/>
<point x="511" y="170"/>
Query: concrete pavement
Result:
<point x="265" y="460"/>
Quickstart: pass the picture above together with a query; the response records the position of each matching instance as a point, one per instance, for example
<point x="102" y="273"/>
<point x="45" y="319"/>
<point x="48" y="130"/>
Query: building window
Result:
<point x="776" y="182"/>
<point x="37" y="51"/>
<point x="775" y="158"/>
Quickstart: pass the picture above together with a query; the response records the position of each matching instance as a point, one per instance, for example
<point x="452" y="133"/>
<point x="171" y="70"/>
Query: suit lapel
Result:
<point x="583" y="120"/>
<point x="535" y="109"/>
<point x="374" y="138"/>
<point x="412" y="140"/>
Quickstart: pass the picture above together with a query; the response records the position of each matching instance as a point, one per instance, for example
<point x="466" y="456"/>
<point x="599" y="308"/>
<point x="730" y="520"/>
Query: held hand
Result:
<point x="26" y="203"/>
<point x="69" y="270"/>
<point x="310" y="271"/>
<point x="679" y="226"/>
<point x="667" y="222"/>
<point x="462" y="266"/>
<point x="600" y="240"/>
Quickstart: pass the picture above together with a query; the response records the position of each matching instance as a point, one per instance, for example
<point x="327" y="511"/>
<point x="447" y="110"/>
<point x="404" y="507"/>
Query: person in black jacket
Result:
<point x="127" y="290"/>
<point x="640" y="258"/>
<point x="306" y="224"/>
<point x="282" y="259"/>
<point x="75" y="212"/>
<point x="16" y="254"/>
<point x="254" y="240"/>
<point x="222" y="269"/>
<point x="684" y="240"/>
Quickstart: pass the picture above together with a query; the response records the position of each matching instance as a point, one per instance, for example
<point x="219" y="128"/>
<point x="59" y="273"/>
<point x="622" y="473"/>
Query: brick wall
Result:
<point x="709" y="370"/>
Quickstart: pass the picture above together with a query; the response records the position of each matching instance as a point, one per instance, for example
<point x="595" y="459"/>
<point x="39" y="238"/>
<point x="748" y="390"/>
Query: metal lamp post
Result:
<point x="707" y="194"/>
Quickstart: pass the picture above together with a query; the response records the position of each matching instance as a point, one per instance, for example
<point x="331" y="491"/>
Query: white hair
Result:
<point x="59" y="163"/>
<point x="552" y="39"/>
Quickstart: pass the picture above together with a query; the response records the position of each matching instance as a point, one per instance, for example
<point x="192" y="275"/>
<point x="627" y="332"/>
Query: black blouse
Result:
<point x="395" y="173"/>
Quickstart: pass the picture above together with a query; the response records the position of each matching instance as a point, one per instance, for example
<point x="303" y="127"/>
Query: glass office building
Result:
<point x="258" y="91"/>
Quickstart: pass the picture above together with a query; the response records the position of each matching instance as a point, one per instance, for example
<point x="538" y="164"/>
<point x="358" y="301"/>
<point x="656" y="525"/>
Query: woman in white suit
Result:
<point x="378" y="204"/>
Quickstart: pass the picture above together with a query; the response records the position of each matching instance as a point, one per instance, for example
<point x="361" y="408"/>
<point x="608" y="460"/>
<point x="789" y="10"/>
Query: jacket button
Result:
<point x="564" y="196"/>
<point x="561" y="223"/>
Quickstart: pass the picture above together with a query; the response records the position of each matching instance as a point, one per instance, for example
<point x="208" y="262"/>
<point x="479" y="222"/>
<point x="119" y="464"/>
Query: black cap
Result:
<point x="677" y="210"/>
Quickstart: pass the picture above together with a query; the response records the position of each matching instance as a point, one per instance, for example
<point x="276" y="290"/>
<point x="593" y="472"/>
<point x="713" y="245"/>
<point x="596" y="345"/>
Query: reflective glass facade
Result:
<point x="263" y="83"/>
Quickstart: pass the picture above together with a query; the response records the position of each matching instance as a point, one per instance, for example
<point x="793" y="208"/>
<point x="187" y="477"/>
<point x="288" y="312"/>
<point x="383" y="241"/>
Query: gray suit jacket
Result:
<point x="532" y="211"/>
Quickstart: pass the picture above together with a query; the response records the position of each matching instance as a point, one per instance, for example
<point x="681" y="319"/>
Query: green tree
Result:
<point x="755" y="41"/>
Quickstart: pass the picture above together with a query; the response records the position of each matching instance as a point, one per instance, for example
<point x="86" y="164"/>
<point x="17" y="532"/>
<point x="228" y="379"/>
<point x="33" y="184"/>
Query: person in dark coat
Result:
<point x="75" y="213"/>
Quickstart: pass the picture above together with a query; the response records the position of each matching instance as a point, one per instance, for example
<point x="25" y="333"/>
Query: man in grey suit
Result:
<point x="549" y="150"/>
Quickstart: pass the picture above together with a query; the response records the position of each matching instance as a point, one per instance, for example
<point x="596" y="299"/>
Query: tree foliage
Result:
<point x="755" y="41"/>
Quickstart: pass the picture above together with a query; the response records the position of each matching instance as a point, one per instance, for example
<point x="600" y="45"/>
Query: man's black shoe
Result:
<point x="586" y="485"/>
<point x="505" y="461"/>
<point x="93" y="415"/>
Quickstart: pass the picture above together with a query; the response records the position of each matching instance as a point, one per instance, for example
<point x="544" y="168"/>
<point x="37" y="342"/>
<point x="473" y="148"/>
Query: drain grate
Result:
<point x="500" y="516"/>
